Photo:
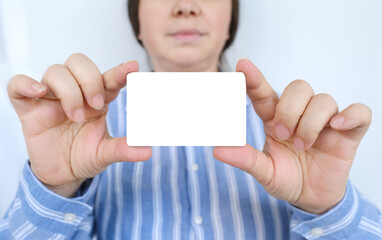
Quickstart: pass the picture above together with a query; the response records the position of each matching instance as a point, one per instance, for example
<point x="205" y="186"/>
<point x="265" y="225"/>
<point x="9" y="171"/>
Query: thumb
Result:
<point x="113" y="150"/>
<point x="264" y="98"/>
<point x="248" y="159"/>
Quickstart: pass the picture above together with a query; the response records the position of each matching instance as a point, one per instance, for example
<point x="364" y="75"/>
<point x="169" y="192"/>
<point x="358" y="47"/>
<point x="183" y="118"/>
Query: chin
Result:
<point x="187" y="62"/>
<point x="187" y="59"/>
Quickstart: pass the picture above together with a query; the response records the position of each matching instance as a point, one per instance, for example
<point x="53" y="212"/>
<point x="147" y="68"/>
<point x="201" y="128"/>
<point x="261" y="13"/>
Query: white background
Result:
<point x="336" y="45"/>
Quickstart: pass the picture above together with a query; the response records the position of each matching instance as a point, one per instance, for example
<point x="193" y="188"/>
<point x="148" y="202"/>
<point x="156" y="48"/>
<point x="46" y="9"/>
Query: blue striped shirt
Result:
<point x="179" y="193"/>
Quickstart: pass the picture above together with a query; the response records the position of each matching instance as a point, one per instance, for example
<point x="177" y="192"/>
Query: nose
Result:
<point x="186" y="8"/>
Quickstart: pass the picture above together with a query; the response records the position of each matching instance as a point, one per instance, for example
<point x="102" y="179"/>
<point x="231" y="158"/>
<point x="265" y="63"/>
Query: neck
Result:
<point x="203" y="66"/>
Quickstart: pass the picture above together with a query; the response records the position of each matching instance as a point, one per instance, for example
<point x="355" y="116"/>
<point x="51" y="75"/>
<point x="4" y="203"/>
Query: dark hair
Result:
<point x="133" y="6"/>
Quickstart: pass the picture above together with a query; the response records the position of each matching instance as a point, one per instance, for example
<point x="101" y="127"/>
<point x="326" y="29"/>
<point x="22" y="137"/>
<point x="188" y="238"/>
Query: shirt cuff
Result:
<point x="337" y="223"/>
<point x="48" y="209"/>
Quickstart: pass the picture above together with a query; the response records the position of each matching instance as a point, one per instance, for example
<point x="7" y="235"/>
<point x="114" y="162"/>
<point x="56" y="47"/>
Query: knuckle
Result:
<point x="287" y="114"/>
<point x="361" y="106"/>
<point x="91" y="78"/>
<point x="365" y="111"/>
<point x="17" y="77"/>
<point x="84" y="70"/>
<point x="72" y="96"/>
<point x="300" y="82"/>
<point x="325" y="100"/>
<point x="53" y="70"/>
<point x="75" y="56"/>
<point x="302" y="85"/>
<point x="307" y="132"/>
<point x="14" y="80"/>
<point x="368" y="111"/>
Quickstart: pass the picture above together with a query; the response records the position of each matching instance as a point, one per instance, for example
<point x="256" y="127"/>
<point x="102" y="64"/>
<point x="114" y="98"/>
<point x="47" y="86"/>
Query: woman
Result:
<point x="181" y="192"/>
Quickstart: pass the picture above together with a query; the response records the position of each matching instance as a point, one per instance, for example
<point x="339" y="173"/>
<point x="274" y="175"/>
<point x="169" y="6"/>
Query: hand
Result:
<point x="63" y="121"/>
<point x="309" y="146"/>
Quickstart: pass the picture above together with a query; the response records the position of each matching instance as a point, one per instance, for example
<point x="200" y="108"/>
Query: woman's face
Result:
<point x="184" y="34"/>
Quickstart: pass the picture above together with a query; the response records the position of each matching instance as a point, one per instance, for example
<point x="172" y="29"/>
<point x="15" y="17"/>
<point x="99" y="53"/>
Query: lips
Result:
<point x="187" y="35"/>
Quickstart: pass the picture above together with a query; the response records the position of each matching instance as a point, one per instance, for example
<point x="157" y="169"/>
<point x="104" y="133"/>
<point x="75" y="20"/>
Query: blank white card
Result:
<point x="186" y="109"/>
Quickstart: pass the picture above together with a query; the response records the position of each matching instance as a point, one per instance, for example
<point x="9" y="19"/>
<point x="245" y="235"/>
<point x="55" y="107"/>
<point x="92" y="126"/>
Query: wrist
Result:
<point x="320" y="208"/>
<point x="314" y="210"/>
<point x="68" y="190"/>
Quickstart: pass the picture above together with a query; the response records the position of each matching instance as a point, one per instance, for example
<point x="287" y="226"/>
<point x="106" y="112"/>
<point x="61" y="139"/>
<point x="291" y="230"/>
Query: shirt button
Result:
<point x="317" y="232"/>
<point x="198" y="220"/>
<point x="70" y="217"/>
<point x="194" y="167"/>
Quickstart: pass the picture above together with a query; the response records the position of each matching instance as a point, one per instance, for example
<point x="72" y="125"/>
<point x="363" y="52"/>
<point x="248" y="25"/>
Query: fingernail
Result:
<point x="98" y="102"/>
<point x="338" y="121"/>
<point x="79" y="116"/>
<point x="38" y="87"/>
<point x="299" y="144"/>
<point x="282" y="132"/>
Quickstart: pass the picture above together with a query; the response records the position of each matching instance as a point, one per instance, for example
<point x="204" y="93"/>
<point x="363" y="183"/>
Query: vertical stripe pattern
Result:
<point x="157" y="194"/>
<point x="195" y="194"/>
<point x="137" y="198"/>
<point x="119" y="198"/>
<point x="214" y="194"/>
<point x="256" y="208"/>
<point x="260" y="140"/>
<point x="177" y="207"/>
<point x="107" y="203"/>
<point x="179" y="193"/>
<point x="235" y="204"/>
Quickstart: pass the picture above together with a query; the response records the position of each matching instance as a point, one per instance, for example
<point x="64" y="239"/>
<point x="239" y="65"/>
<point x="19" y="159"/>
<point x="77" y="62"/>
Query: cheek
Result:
<point x="219" y="22"/>
<point x="150" y="19"/>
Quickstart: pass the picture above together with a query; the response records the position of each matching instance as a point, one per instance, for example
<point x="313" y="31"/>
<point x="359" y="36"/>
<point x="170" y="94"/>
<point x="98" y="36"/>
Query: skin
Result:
<point x="160" y="18"/>
<point x="309" y="149"/>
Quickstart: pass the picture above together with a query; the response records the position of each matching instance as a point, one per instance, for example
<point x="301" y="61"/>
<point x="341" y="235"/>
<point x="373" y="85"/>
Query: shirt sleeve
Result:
<point x="353" y="218"/>
<point x="38" y="213"/>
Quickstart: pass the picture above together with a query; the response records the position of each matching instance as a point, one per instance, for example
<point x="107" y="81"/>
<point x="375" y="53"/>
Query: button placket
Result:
<point x="193" y="168"/>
